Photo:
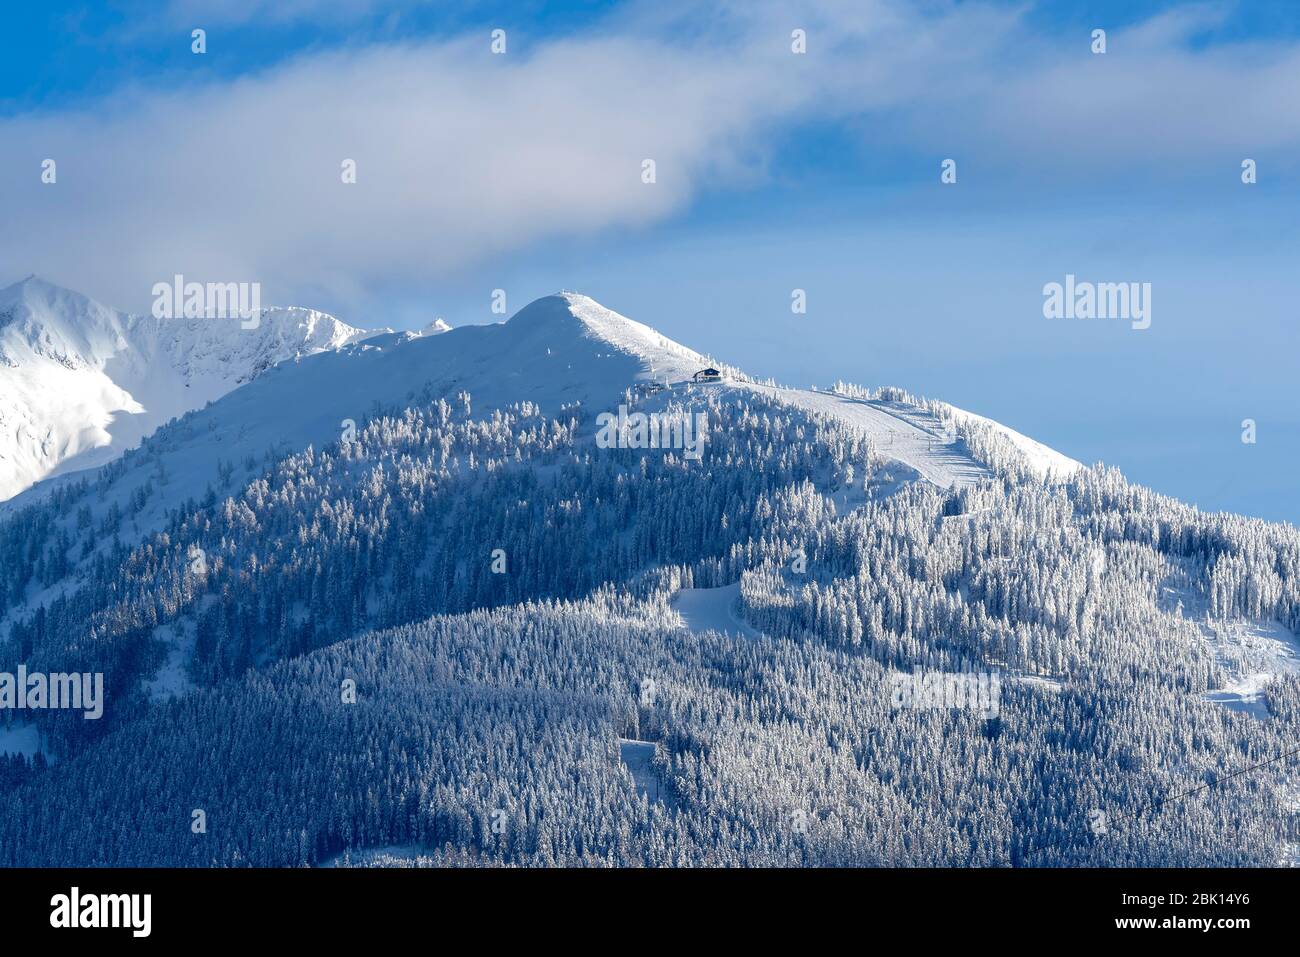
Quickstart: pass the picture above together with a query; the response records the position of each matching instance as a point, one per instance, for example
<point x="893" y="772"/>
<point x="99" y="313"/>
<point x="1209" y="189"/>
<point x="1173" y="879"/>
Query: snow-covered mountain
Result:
<point x="81" y="382"/>
<point x="564" y="354"/>
<point x="433" y="520"/>
<point x="561" y="350"/>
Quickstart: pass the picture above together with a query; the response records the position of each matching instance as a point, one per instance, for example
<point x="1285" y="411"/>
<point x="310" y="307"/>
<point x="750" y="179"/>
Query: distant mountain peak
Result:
<point x="33" y="289"/>
<point x="81" y="382"/>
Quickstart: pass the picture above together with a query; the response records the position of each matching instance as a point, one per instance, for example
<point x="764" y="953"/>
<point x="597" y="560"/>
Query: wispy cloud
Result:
<point x="463" y="155"/>
<point x="203" y="13"/>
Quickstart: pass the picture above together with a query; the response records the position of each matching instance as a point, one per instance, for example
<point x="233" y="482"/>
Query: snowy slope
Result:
<point x="712" y="609"/>
<point x="899" y="433"/>
<point x="917" y="441"/>
<point x="559" y="352"/>
<point x="662" y="360"/>
<point x="1254" y="654"/>
<point x="80" y="382"/>
<point x="1047" y="462"/>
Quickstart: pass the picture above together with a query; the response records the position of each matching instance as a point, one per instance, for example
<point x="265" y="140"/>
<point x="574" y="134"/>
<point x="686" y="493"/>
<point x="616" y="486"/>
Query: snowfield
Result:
<point x="21" y="738"/>
<point x="937" y="458"/>
<point x="638" y="755"/>
<point x="80" y="383"/>
<point x="1254" y="654"/>
<point x="1048" y="463"/>
<point x="712" y="609"/>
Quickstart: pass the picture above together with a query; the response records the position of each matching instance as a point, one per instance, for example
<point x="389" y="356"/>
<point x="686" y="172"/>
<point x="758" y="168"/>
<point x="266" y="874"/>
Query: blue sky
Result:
<point x="775" y="172"/>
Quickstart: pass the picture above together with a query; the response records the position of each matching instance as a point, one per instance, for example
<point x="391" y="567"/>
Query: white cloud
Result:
<point x="460" y="155"/>
<point x="463" y="156"/>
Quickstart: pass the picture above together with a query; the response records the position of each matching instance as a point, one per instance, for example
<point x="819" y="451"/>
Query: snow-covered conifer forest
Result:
<point x="458" y="632"/>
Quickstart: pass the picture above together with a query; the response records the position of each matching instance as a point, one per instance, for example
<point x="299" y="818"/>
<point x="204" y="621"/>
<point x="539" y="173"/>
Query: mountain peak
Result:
<point x="31" y="279"/>
<point x="38" y="318"/>
<point x="35" y="290"/>
<point x="80" y="382"/>
<point x="556" y="320"/>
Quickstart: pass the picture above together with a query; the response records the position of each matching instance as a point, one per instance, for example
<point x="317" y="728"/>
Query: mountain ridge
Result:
<point x="559" y="349"/>
<point x="81" y="382"/>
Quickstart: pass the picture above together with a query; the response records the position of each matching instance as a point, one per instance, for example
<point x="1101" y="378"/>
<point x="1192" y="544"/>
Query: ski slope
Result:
<point x="915" y="440"/>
